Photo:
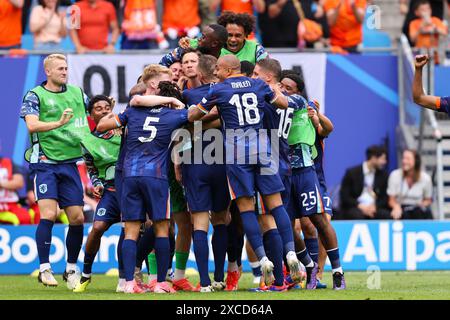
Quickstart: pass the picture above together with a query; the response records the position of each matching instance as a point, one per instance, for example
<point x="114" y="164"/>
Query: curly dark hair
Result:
<point x="244" y="20"/>
<point x="170" y="89"/>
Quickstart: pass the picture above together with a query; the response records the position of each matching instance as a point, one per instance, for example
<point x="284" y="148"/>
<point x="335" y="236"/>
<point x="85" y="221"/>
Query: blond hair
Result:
<point x="153" y="70"/>
<point x="51" y="57"/>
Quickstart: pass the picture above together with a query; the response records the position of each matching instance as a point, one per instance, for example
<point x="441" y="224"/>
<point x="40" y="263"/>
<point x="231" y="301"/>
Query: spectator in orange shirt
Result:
<point x="425" y="30"/>
<point x="345" y="18"/>
<point x="238" y="6"/>
<point x="180" y="18"/>
<point x="47" y="25"/>
<point x="97" y="18"/>
<point x="10" y="24"/>
<point x="140" y="27"/>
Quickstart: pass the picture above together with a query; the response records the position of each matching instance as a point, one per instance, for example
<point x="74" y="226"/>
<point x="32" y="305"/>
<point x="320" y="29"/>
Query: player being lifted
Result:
<point x="240" y="101"/>
<point x="55" y="115"/>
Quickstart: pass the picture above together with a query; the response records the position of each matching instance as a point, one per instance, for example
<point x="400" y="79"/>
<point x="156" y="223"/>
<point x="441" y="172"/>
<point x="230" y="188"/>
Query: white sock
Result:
<point x="152" y="277"/>
<point x="179" y="274"/>
<point x="255" y="264"/>
<point x="338" y="270"/>
<point x="86" y="275"/>
<point x="44" y="267"/>
<point x="232" y="266"/>
<point x="71" y="266"/>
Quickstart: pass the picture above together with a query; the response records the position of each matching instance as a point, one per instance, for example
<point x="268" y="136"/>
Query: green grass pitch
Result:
<point x="394" y="286"/>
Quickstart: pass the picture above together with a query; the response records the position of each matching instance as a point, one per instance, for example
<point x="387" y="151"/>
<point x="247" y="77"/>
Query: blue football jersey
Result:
<point x="148" y="140"/>
<point x="194" y="96"/>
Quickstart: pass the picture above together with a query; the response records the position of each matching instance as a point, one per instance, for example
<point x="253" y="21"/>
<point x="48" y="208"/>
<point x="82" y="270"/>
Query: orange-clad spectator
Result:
<point x="47" y="25"/>
<point x="11" y="181"/>
<point x="140" y="26"/>
<point x="10" y="24"/>
<point x="97" y="18"/>
<point x="345" y="18"/>
<point x="180" y="18"/>
<point x="424" y="31"/>
<point x="238" y="6"/>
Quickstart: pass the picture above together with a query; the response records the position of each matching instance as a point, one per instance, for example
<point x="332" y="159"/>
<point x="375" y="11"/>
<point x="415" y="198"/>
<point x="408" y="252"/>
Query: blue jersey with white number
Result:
<point x="148" y="140"/>
<point x="193" y="97"/>
<point x="241" y="101"/>
<point x="281" y="120"/>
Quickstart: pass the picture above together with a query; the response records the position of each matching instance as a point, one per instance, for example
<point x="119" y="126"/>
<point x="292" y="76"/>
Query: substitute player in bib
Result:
<point x="240" y="101"/>
<point x="100" y="153"/>
<point x="55" y="114"/>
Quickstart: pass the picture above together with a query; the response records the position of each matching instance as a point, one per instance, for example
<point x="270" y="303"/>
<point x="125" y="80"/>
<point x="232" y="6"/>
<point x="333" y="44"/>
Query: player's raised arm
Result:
<point x="153" y="100"/>
<point x="422" y="99"/>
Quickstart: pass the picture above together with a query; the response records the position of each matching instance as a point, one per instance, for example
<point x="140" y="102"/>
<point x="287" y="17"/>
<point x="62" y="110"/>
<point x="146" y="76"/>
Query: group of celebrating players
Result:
<point x="210" y="135"/>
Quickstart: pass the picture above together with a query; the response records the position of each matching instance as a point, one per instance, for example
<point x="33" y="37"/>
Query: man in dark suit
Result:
<point x="363" y="189"/>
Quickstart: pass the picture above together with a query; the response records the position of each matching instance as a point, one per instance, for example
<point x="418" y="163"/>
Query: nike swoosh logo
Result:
<point x="309" y="208"/>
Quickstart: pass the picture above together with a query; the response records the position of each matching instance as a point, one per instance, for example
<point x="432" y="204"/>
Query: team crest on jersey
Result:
<point x="43" y="188"/>
<point x="101" y="212"/>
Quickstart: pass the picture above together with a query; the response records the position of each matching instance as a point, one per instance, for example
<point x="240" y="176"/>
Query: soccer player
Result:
<point x="145" y="185"/>
<point x="306" y="200"/>
<point x="440" y="104"/>
<point x="239" y="26"/>
<point x="55" y="115"/>
<point x="205" y="185"/>
<point x="213" y="39"/>
<point x="100" y="153"/>
<point x="240" y="101"/>
<point x="269" y="70"/>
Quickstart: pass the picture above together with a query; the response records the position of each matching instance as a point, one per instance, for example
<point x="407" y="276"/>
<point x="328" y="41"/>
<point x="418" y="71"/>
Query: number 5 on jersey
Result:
<point x="148" y="127"/>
